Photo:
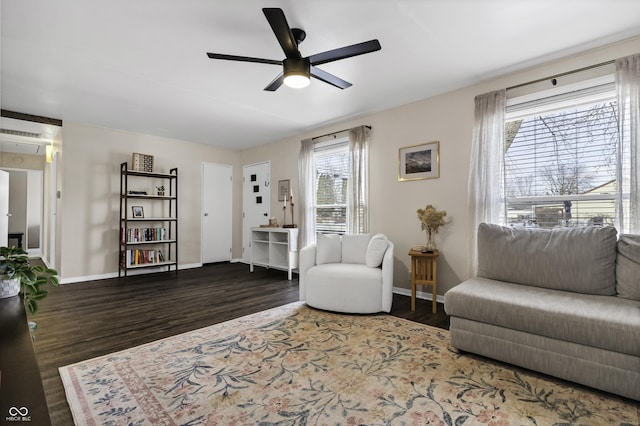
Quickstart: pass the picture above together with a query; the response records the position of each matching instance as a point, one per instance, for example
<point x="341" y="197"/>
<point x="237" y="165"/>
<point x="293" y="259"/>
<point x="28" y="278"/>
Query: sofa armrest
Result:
<point x="387" y="278"/>
<point x="307" y="260"/>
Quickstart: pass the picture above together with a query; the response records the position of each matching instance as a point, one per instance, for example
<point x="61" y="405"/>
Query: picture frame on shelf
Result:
<point x="138" y="212"/>
<point x="283" y="189"/>
<point x="417" y="162"/>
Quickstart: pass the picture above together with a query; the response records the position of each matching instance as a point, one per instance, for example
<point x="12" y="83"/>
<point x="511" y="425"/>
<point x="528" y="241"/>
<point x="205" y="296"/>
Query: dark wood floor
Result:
<point x="84" y="320"/>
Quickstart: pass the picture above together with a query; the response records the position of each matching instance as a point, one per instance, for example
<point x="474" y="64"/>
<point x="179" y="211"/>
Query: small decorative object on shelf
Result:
<point x="292" y="225"/>
<point x="142" y="162"/>
<point x="284" y="211"/>
<point x="431" y="220"/>
<point x="160" y="190"/>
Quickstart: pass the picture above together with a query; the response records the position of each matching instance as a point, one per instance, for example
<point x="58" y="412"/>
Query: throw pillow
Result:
<point x="354" y="248"/>
<point x="628" y="267"/>
<point x="375" y="251"/>
<point x="328" y="248"/>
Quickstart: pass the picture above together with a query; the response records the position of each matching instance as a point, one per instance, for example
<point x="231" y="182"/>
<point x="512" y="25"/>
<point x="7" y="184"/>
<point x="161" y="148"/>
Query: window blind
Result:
<point x="332" y="172"/>
<point x="561" y="158"/>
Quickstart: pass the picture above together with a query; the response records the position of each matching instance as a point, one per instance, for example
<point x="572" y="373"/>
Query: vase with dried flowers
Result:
<point x="431" y="220"/>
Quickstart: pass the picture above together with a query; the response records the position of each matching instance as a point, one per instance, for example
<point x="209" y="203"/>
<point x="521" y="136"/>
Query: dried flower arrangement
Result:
<point x="431" y="220"/>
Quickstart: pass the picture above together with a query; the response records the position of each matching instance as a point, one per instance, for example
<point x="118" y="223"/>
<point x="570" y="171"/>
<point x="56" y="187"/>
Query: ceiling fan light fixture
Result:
<point x="297" y="72"/>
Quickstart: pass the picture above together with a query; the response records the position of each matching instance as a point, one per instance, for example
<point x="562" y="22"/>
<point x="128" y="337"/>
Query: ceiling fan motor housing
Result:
<point x="297" y="71"/>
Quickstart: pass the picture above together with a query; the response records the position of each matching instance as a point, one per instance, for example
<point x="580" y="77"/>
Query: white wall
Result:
<point x="90" y="177"/>
<point x="393" y="204"/>
<point x="90" y="195"/>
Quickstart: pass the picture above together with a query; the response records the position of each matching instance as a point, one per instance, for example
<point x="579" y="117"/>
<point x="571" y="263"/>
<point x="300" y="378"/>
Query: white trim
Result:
<point x="419" y="294"/>
<point x="129" y="273"/>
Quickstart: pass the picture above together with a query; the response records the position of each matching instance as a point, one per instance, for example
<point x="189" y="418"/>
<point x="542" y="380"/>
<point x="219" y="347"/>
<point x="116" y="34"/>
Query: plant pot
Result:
<point x="9" y="288"/>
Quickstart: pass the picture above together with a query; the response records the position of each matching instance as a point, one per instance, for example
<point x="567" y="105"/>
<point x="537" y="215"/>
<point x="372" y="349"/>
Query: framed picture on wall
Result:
<point x="138" y="211"/>
<point x="283" y="189"/>
<point x="419" y="161"/>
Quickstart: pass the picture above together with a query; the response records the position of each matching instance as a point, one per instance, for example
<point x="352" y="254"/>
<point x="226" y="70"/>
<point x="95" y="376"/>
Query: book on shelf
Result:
<point x="139" y="235"/>
<point x="141" y="257"/>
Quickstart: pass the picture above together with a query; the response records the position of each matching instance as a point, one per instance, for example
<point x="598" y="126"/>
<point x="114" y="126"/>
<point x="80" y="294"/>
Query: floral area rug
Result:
<point x="295" y="365"/>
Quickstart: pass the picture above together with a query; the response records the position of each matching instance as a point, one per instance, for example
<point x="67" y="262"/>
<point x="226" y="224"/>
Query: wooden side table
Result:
<point x="424" y="268"/>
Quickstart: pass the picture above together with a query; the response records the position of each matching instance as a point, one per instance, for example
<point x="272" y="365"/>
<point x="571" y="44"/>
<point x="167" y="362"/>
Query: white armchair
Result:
<point x="350" y="273"/>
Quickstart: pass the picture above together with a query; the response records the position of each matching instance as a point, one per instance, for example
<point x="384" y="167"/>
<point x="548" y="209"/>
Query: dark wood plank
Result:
<point x="84" y="320"/>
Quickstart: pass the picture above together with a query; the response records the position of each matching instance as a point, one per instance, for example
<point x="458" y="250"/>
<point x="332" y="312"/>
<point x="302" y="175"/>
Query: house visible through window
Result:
<point x="561" y="159"/>
<point x="331" y="179"/>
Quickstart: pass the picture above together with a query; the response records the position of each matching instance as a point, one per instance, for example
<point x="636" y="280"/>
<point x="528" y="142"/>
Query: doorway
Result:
<point x="26" y="196"/>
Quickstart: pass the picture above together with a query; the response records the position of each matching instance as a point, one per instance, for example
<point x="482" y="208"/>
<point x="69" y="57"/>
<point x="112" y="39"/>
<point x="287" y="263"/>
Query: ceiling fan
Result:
<point x="296" y="69"/>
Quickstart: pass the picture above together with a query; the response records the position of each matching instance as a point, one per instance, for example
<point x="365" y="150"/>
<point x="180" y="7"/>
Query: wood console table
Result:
<point x="424" y="268"/>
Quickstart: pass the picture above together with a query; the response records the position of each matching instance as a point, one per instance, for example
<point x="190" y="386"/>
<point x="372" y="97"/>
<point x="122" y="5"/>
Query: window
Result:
<point x="331" y="183"/>
<point x="561" y="158"/>
<point x="333" y="179"/>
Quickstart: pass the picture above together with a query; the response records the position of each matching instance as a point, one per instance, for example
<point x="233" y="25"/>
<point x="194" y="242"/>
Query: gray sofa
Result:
<point x="564" y="302"/>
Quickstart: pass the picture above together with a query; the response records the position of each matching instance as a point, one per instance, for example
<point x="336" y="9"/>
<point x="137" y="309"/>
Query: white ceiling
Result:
<point x="141" y="65"/>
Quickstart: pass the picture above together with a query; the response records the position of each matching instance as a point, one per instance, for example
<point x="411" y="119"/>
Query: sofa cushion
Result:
<point x="328" y="248"/>
<point x="375" y="250"/>
<point x="628" y="267"/>
<point x="606" y="322"/>
<point x="354" y="248"/>
<point x="582" y="260"/>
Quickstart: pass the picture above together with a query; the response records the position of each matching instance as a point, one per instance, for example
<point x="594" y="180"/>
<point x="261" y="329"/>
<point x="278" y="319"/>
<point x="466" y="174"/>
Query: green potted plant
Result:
<point x="19" y="275"/>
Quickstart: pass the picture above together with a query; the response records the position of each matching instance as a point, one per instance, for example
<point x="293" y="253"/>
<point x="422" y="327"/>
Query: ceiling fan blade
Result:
<point x="281" y="29"/>
<point x="329" y="78"/>
<point x="243" y="58"/>
<point x="275" y="84"/>
<point x="345" y="52"/>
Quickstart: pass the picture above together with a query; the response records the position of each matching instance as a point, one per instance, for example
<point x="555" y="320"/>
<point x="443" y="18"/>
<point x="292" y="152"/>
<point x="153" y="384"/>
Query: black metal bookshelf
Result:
<point x="148" y="242"/>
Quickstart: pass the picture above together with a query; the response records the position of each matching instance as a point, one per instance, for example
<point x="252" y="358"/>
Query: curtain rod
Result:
<point x="335" y="133"/>
<point x="561" y="75"/>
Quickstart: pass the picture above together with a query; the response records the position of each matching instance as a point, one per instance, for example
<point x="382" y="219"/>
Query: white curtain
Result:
<point x="628" y="93"/>
<point x="358" y="182"/>
<point x="307" y="195"/>
<point x="485" y="192"/>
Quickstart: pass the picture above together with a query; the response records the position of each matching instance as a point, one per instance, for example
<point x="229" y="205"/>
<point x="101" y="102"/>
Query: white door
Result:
<point x="4" y="208"/>
<point x="256" y="202"/>
<point x="217" y="221"/>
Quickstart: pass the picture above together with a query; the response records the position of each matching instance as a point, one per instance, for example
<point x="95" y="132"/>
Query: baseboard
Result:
<point x="419" y="294"/>
<point x="130" y="272"/>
